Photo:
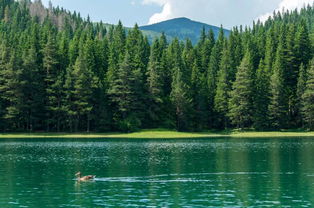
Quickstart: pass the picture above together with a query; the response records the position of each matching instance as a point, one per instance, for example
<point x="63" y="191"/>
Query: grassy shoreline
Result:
<point x="163" y="134"/>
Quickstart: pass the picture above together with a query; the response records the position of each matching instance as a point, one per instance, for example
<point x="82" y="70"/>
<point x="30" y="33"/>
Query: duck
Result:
<point x="84" y="178"/>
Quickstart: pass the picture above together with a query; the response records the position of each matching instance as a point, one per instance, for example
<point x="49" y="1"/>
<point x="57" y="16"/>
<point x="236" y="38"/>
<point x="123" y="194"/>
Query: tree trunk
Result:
<point x="88" y="123"/>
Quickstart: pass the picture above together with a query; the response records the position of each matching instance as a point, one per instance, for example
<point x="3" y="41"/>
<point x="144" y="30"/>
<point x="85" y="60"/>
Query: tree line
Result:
<point x="60" y="72"/>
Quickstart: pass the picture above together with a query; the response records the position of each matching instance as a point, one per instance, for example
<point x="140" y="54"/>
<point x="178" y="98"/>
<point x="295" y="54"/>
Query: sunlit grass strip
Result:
<point x="142" y="134"/>
<point x="159" y="134"/>
<point x="271" y="134"/>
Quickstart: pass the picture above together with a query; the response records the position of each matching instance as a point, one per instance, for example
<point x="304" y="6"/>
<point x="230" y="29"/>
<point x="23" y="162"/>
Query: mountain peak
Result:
<point x="179" y="18"/>
<point x="182" y="28"/>
<point x="176" y="20"/>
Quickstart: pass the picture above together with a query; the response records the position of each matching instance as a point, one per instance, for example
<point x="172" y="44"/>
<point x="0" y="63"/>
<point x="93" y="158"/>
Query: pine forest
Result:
<point x="60" y="72"/>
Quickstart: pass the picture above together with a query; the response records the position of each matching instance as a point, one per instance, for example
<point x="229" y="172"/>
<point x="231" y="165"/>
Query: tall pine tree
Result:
<point x="261" y="98"/>
<point x="278" y="108"/>
<point x="241" y="101"/>
<point x="308" y="99"/>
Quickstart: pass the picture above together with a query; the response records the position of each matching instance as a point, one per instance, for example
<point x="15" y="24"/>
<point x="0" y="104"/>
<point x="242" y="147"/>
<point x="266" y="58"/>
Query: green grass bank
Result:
<point x="160" y="134"/>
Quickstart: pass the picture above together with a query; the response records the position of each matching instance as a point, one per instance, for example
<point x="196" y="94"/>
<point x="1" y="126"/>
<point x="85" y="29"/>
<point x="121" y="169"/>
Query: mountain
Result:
<point x="181" y="28"/>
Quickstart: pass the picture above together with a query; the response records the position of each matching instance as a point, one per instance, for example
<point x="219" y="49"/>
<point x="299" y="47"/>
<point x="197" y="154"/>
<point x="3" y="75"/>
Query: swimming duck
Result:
<point x="84" y="178"/>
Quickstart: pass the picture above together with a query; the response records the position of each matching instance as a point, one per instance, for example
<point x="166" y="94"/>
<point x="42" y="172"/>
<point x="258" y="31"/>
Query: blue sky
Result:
<point x="215" y="12"/>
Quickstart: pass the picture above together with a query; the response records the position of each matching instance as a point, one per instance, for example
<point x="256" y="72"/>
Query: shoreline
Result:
<point x="162" y="134"/>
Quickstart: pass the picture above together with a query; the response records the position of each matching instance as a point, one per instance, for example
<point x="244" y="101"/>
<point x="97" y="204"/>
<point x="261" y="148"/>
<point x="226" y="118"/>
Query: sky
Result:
<point x="228" y="13"/>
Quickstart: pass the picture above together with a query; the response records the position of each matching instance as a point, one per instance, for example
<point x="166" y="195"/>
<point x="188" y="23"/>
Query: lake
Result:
<point x="222" y="172"/>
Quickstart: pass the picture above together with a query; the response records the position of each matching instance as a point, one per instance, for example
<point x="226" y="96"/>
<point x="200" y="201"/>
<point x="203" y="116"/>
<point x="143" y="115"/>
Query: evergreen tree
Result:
<point x="235" y="52"/>
<point x="278" y="108"/>
<point x="188" y="57"/>
<point x="116" y="51"/>
<point x="10" y="90"/>
<point x="204" y="49"/>
<point x="303" y="44"/>
<point x="261" y="98"/>
<point x="291" y="73"/>
<point x="69" y="97"/>
<point x="52" y="85"/>
<point x="213" y="68"/>
<point x="181" y="101"/>
<point x="74" y="49"/>
<point x="123" y="93"/>
<point x="223" y="88"/>
<point x="63" y="51"/>
<point x="155" y="85"/>
<point x="301" y="86"/>
<point x="198" y="91"/>
<point x="179" y="85"/>
<point x="270" y="51"/>
<point x="166" y="65"/>
<point x="308" y="99"/>
<point x="101" y="116"/>
<point x="80" y="84"/>
<point x="33" y="92"/>
<point x="241" y="103"/>
<point x="4" y="72"/>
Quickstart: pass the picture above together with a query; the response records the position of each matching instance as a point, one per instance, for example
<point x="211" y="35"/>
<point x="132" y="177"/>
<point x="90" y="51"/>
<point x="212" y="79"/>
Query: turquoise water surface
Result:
<point x="39" y="173"/>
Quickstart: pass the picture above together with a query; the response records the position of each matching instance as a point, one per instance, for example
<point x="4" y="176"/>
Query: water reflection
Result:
<point x="157" y="173"/>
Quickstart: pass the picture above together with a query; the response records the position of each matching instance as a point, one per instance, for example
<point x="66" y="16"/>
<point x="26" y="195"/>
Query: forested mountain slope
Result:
<point x="59" y="72"/>
<point x="182" y="28"/>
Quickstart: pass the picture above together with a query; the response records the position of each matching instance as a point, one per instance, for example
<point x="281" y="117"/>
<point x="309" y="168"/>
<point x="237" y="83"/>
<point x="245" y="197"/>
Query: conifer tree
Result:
<point x="278" y="108"/>
<point x="182" y="102"/>
<point x="223" y="88"/>
<point x="213" y="68"/>
<point x="123" y="93"/>
<point x="261" y="98"/>
<point x="80" y="84"/>
<point x="291" y="72"/>
<point x="179" y="87"/>
<point x="4" y="72"/>
<point x="63" y="51"/>
<point x="7" y="15"/>
<point x="33" y="91"/>
<point x="308" y="99"/>
<point x="166" y="65"/>
<point x="204" y="49"/>
<point x="270" y="51"/>
<point x="116" y="51"/>
<point x="188" y="57"/>
<point x="101" y="117"/>
<point x="136" y="48"/>
<point x="241" y="103"/>
<point x="155" y="85"/>
<point x="235" y="52"/>
<point x="10" y="89"/>
<point x="69" y="97"/>
<point x="52" y="86"/>
<point x="303" y="44"/>
<point x="198" y="91"/>
<point x="301" y="86"/>
<point x="74" y="48"/>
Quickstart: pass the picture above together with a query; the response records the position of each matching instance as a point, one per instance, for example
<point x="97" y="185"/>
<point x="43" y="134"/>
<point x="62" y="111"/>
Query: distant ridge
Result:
<point x="181" y="28"/>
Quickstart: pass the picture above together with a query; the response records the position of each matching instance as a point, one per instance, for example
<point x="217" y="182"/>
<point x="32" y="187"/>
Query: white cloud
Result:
<point x="287" y="5"/>
<point x="195" y="9"/>
<point x="165" y="14"/>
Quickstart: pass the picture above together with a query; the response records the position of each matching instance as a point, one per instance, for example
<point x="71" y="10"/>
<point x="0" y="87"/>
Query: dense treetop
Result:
<point x="59" y="72"/>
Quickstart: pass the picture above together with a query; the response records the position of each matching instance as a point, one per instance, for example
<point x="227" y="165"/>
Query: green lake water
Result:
<point x="39" y="173"/>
